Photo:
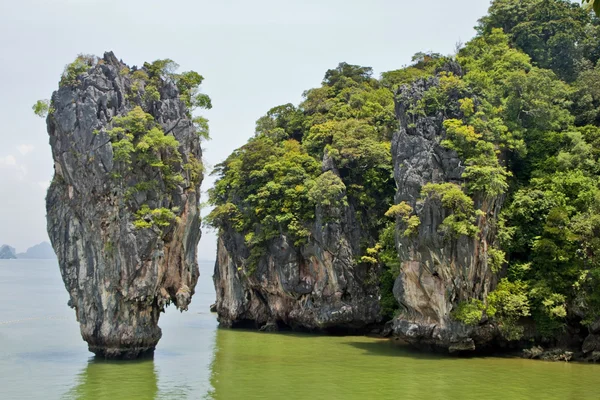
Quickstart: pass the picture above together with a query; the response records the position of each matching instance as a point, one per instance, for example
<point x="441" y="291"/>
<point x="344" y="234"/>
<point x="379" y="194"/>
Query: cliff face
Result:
<point x="317" y="286"/>
<point x="328" y="284"/>
<point x="437" y="272"/>
<point x="124" y="224"/>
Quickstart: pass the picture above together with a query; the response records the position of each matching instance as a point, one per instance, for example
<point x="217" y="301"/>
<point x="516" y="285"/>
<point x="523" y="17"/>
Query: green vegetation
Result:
<point x="404" y="213"/>
<point x="423" y="65"/>
<point x="595" y="4"/>
<point x="469" y="312"/>
<point x="524" y="118"/>
<point x="41" y="108"/>
<point x="145" y="158"/>
<point x="72" y="71"/>
<point x="530" y="135"/>
<point x="148" y="81"/>
<point x="462" y="220"/>
<point x="137" y="139"/>
<point x="274" y="185"/>
<point x="506" y="305"/>
<point x="139" y="143"/>
<point x="159" y="217"/>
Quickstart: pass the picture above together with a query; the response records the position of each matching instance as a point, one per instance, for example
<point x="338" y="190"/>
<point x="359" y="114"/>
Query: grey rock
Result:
<point x="119" y="278"/>
<point x="269" y="327"/>
<point x="595" y="327"/>
<point x="534" y="352"/>
<point x="437" y="271"/>
<point x="7" y="252"/>
<point x="557" y="355"/>
<point x="317" y="286"/>
<point x="591" y="343"/>
<point x="466" y="344"/>
<point x="554" y="354"/>
<point x="387" y="330"/>
<point x="594" y="357"/>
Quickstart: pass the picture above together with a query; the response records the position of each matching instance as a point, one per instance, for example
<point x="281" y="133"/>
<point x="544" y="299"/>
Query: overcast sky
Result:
<point x="254" y="55"/>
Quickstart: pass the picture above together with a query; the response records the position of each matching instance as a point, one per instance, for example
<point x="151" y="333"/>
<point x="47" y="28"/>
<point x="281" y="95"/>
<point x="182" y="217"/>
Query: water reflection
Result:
<point x="252" y="365"/>
<point x="112" y="380"/>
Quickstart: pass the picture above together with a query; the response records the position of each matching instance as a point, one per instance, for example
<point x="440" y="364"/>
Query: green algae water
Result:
<point x="42" y="356"/>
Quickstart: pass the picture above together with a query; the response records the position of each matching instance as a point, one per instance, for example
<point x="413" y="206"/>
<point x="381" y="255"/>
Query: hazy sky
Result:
<point x="254" y="55"/>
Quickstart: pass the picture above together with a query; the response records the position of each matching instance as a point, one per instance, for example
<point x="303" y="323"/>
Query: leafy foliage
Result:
<point x="594" y="4"/>
<point x="138" y="141"/>
<point x="384" y="253"/>
<point x="469" y="312"/>
<point x="423" y="65"/>
<point x="538" y="81"/>
<point x="462" y="218"/>
<point x="328" y="190"/>
<point x="41" y="108"/>
<point x="81" y="64"/>
<point x="276" y="181"/>
<point x="524" y="118"/>
<point x="404" y="213"/>
<point x="555" y="34"/>
<point x="159" y="217"/>
<point x="496" y="259"/>
<point x="273" y="185"/>
<point x="153" y="76"/>
<point x="136" y="137"/>
<point x="507" y="304"/>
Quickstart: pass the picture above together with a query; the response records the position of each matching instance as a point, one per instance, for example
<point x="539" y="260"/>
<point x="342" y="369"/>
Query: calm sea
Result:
<point x="42" y="356"/>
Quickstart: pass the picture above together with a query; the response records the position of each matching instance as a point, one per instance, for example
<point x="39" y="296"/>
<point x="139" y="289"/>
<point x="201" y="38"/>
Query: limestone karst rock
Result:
<point x="317" y="286"/>
<point x="123" y="207"/>
<point x="437" y="272"/>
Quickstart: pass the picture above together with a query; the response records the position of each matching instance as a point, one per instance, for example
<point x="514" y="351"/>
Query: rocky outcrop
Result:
<point x="437" y="272"/>
<point x="123" y="218"/>
<point x="7" y="252"/>
<point x="317" y="286"/>
<point x="42" y="251"/>
<point x="591" y="344"/>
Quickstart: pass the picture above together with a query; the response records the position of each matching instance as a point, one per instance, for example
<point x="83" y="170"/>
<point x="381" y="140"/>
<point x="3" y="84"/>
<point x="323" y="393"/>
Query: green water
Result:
<point x="43" y="357"/>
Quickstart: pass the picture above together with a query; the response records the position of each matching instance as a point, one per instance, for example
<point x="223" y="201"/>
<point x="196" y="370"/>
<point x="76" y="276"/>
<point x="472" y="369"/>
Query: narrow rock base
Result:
<point x="112" y="353"/>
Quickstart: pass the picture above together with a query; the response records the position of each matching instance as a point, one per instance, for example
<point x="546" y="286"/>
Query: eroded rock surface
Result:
<point x="317" y="286"/>
<point x="437" y="272"/>
<point x="120" y="276"/>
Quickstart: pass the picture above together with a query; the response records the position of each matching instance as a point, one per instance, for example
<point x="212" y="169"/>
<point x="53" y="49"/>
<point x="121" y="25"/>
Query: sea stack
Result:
<point x="123" y="206"/>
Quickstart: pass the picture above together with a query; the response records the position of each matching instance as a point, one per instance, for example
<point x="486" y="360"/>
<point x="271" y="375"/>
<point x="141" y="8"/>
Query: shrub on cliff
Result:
<point x="273" y="184"/>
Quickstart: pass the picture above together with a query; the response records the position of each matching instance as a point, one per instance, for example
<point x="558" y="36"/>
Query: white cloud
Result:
<point x="8" y="160"/>
<point x="14" y="169"/>
<point x="25" y="148"/>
